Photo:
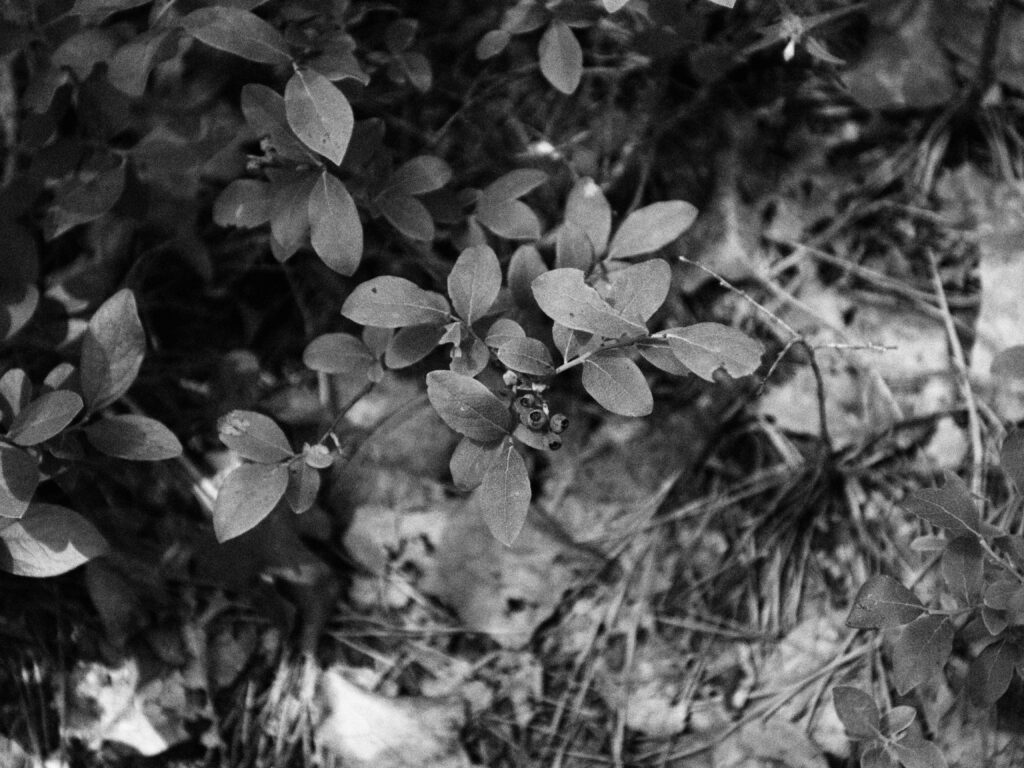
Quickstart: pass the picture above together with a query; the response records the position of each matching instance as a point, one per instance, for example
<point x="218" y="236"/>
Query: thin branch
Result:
<point x="960" y="363"/>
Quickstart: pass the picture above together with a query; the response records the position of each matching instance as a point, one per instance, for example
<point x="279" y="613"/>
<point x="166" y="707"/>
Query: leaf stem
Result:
<point x="603" y="348"/>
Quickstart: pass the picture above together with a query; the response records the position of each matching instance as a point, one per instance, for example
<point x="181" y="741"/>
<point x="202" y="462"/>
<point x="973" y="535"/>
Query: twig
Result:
<point x="795" y="338"/>
<point x="960" y="363"/>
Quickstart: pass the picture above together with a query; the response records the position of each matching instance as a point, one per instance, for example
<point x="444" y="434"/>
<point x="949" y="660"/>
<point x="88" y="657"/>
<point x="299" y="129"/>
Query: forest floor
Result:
<point x="679" y="593"/>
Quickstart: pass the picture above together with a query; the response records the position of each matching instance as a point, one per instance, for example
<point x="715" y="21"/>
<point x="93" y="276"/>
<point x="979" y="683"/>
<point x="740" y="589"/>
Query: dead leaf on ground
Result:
<point x="367" y="730"/>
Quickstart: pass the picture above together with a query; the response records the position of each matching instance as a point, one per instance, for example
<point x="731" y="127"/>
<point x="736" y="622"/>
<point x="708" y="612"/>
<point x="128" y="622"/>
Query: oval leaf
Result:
<point x="525" y="266"/>
<point x="922" y="650"/>
<point x="951" y="507"/>
<point x="15" y="393"/>
<point x="469" y="461"/>
<point x="319" y="114"/>
<point x="303" y="485"/>
<point x="589" y="210"/>
<point x="243" y="203"/>
<point x="337" y="353"/>
<point x="617" y="384"/>
<point x="989" y="675"/>
<point x="857" y="711"/>
<point x="393" y="302"/>
<point x="651" y="228"/>
<point x="513" y="185"/>
<point x="883" y="602"/>
<point x="639" y="290"/>
<point x="247" y="496"/>
<point x="335" y="231"/>
<point x="474" y="282"/>
<point x="962" y="568"/>
<point x="45" y="417"/>
<point x="468" y="407"/>
<point x="573" y="248"/>
<point x="239" y="32"/>
<point x="561" y="57"/>
<point x="412" y="344"/>
<point x="112" y="350"/>
<point x="129" y="436"/>
<point x="504" y="494"/>
<point x="1011" y="458"/>
<point x="408" y="215"/>
<point x="525" y="355"/>
<point x="706" y="347"/>
<point x="48" y="541"/>
<point x="19" y="476"/>
<point x="254" y="436"/>
<point x="510" y="219"/>
<point x="565" y="297"/>
<point x="420" y="175"/>
<point x="1009" y="364"/>
<point x="503" y="330"/>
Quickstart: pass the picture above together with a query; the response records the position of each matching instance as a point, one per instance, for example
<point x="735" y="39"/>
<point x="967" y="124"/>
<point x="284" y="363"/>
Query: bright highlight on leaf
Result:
<point x="561" y="57"/>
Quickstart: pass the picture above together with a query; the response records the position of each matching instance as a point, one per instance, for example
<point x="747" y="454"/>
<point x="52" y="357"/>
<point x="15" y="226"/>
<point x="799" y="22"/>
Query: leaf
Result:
<point x="289" y="213"/>
<point x="1009" y="364"/>
<point x="962" y="568"/>
<point x="303" y="485"/>
<point x="418" y="176"/>
<point x="470" y="460"/>
<point x="335" y="231"/>
<point x="526" y="356"/>
<point x="883" y="602"/>
<point x="513" y="185"/>
<point x="493" y="43"/>
<point x="922" y="651"/>
<point x="19" y="476"/>
<point x="128" y="69"/>
<point x="951" y="507"/>
<point x="86" y="197"/>
<point x="504" y="494"/>
<point x="614" y="5"/>
<point x="44" y="417"/>
<point x="129" y="436"/>
<point x="392" y="302"/>
<point x="474" y="282"/>
<point x="898" y="719"/>
<point x="650" y="228"/>
<point x="561" y="57"/>
<point x="15" y="392"/>
<point x="588" y="209"/>
<point x="725" y="3"/>
<point x="97" y="9"/>
<point x="638" y="291"/>
<point x="510" y="219"/>
<point x="319" y="114"/>
<point x="564" y="296"/>
<point x="1011" y="458"/>
<point x="857" y="711"/>
<point x="989" y="675"/>
<point x="706" y="347"/>
<point x="247" y="496"/>
<point x="661" y="357"/>
<point x="524" y="267"/>
<point x="239" y="32"/>
<point x="918" y="753"/>
<point x="112" y="350"/>
<point x="264" y="111"/>
<point x="243" y="203"/>
<point x="48" y="541"/>
<point x="468" y="407"/>
<point x="503" y="330"/>
<point x="254" y="436"/>
<point x="617" y="384"/>
<point x="337" y="353"/>
<point x="573" y="248"/>
<point x="408" y="215"/>
<point x="411" y="344"/>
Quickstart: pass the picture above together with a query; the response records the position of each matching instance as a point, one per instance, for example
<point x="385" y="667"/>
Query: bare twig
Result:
<point x="960" y="363"/>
